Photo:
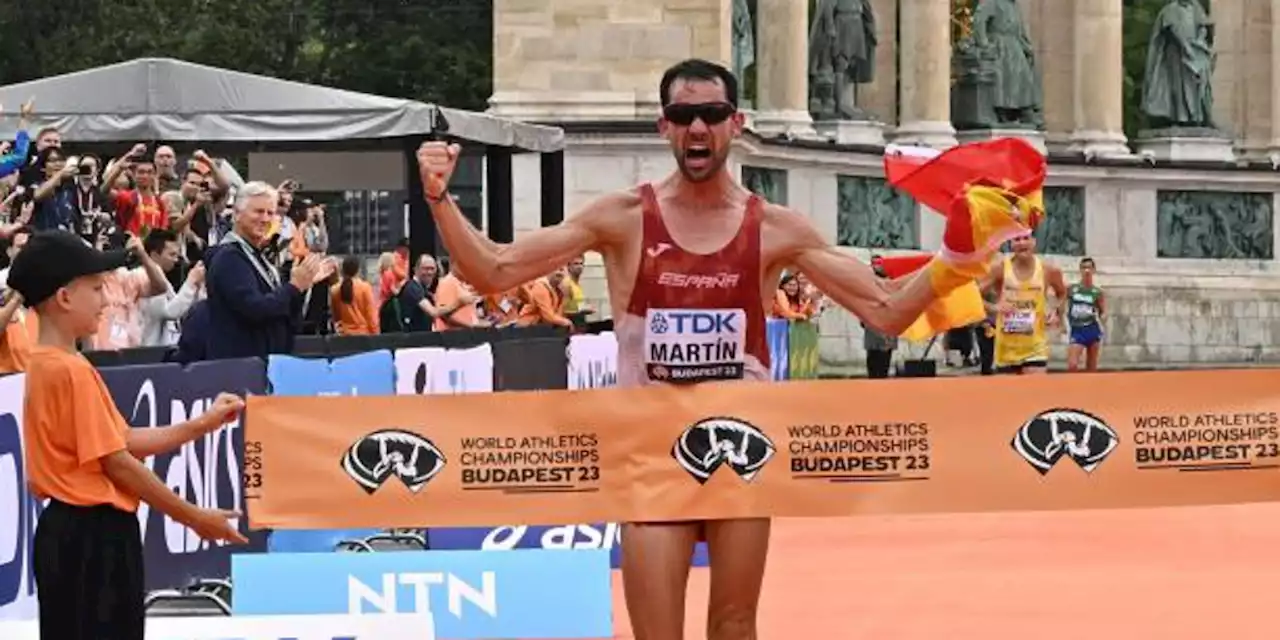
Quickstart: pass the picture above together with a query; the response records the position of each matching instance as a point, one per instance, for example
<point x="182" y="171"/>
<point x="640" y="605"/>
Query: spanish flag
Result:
<point x="1005" y="174"/>
<point x="959" y="308"/>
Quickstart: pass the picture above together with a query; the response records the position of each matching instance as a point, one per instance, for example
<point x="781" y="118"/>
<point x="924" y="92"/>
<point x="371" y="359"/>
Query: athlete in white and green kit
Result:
<point x="1085" y="308"/>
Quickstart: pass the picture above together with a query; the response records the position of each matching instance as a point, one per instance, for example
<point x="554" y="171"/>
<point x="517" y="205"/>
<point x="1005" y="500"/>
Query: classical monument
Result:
<point x="1165" y="170"/>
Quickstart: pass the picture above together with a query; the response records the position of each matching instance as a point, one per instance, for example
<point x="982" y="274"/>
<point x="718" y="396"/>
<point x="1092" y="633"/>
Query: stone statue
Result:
<point x="842" y="54"/>
<point x="744" y="40"/>
<point x="998" y="83"/>
<point x="1177" y="87"/>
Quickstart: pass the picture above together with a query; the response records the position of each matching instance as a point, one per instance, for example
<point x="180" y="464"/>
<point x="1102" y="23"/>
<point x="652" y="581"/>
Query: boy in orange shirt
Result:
<point x="83" y="457"/>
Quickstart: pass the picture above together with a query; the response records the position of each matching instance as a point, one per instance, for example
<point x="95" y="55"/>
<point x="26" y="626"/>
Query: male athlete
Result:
<point x="1022" y="283"/>
<point x="1086" y="307"/>
<point x="698" y="241"/>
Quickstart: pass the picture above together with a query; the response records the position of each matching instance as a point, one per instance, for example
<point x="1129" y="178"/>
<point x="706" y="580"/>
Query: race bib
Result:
<point x="1019" y="321"/>
<point x="1080" y="311"/>
<point x="695" y="345"/>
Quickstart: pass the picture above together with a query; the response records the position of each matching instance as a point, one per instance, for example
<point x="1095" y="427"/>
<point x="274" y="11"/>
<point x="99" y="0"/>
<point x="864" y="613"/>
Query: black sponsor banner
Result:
<point x="531" y="365"/>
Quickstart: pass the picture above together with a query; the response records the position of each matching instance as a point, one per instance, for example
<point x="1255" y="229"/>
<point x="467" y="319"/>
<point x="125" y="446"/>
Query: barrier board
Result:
<point x="19" y="510"/>
<point x="401" y="626"/>
<point x="470" y="594"/>
<point x="363" y="374"/>
<point x="208" y="472"/>
<point x="802" y="449"/>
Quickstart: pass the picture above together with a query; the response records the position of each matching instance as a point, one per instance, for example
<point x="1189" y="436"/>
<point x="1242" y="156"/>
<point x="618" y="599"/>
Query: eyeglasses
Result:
<point x="711" y="113"/>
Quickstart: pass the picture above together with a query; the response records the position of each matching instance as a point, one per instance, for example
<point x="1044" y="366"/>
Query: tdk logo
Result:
<point x="703" y="322"/>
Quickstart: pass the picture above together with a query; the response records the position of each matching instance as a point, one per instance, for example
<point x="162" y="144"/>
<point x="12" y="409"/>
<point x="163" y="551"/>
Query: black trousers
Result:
<point x="89" y="574"/>
<point x="986" y="350"/>
<point x="878" y="363"/>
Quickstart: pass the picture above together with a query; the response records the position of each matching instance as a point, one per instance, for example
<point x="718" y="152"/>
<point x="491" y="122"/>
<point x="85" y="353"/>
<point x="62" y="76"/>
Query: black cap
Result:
<point x="51" y="260"/>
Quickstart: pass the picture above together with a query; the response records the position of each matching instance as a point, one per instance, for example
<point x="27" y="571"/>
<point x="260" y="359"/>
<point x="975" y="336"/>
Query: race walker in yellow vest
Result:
<point x="1023" y="315"/>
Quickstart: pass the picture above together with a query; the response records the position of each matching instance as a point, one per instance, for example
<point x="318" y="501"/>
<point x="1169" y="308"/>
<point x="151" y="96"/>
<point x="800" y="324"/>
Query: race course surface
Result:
<point x="1134" y="575"/>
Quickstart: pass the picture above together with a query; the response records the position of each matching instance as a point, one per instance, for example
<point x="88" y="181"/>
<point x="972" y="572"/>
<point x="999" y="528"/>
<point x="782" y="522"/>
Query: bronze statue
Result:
<point x="1177" y="88"/>
<point x="998" y="60"/>
<point x="842" y="54"/>
<point x="744" y="40"/>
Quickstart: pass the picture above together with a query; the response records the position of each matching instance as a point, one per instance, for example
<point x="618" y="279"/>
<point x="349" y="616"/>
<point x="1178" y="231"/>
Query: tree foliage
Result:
<point x="430" y="50"/>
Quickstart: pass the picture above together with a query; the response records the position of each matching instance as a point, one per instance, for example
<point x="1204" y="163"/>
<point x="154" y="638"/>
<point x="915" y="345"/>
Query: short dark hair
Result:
<point x="191" y="170"/>
<point x="157" y="239"/>
<point x="44" y="155"/>
<point x="698" y="69"/>
<point x="1087" y="260"/>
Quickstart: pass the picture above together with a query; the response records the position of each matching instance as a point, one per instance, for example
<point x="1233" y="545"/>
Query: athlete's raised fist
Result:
<point x="436" y="162"/>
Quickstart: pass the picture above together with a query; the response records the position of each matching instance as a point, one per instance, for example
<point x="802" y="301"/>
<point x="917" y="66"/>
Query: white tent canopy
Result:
<point x="171" y="100"/>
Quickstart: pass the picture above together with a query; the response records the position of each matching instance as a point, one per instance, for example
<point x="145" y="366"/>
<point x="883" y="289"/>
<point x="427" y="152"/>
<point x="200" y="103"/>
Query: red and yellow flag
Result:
<point x="961" y="307"/>
<point x="989" y="192"/>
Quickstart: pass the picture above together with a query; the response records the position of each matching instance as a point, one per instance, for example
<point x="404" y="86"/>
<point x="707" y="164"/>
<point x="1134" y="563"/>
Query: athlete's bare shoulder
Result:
<point x="787" y="231"/>
<point x="612" y="216"/>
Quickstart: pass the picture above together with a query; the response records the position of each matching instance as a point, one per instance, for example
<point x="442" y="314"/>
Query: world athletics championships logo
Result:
<point x="709" y="443"/>
<point x="1052" y="434"/>
<point x="376" y="457"/>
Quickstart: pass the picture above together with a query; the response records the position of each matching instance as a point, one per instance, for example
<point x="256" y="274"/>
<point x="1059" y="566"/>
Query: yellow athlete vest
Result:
<point x="1020" y="332"/>
<point x="573" y="301"/>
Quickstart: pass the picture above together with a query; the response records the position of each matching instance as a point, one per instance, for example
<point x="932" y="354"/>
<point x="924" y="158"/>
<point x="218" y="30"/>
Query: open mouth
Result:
<point x="698" y="152"/>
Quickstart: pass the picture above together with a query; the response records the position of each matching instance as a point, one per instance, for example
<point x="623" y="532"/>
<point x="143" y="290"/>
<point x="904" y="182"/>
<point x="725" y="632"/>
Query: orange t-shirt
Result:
<point x="70" y="424"/>
<point x="449" y="291"/>
<point x="360" y="317"/>
<point x="17" y="339"/>
<point x="542" y="305"/>
<point x="503" y="308"/>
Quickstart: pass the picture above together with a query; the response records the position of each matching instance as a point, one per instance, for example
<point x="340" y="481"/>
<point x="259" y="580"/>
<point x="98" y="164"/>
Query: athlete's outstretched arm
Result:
<point x="488" y="266"/>
<point x="492" y="267"/>
<point x="850" y="282"/>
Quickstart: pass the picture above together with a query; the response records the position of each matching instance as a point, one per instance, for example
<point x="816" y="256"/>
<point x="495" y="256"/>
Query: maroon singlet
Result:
<point x="694" y="317"/>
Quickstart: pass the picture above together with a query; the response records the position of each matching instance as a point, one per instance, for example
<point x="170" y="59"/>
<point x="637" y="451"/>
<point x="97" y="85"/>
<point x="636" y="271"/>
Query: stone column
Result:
<point x="924" y="104"/>
<point x="782" y="68"/>
<point x="1231" y="74"/>
<point x="1274" y="64"/>
<point x="1050" y="25"/>
<point x="1099" y="78"/>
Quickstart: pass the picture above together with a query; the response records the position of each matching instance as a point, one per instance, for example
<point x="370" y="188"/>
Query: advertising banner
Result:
<point x="606" y="536"/>
<point x="363" y="374"/>
<point x="209" y="472"/>
<point x="431" y="370"/>
<point x="802" y="350"/>
<point x="470" y="594"/>
<point x="369" y="627"/>
<point x="529" y="365"/>
<point x="779" y="337"/>
<point x="804" y="449"/>
<point x="592" y="363"/>
<point x="19" y="510"/>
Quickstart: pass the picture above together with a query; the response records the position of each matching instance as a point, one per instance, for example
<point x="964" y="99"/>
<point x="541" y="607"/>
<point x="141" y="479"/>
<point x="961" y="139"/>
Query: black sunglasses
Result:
<point x="711" y="113"/>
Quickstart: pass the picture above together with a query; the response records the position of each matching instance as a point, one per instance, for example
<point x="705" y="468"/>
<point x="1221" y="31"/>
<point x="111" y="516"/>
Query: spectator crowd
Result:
<point x="224" y="268"/>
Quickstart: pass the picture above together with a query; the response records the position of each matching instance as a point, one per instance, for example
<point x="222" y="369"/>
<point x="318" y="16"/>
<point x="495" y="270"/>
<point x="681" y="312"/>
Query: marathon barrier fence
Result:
<point x="215" y="471"/>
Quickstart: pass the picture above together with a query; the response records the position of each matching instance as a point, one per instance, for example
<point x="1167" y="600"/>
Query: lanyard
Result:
<point x="268" y="273"/>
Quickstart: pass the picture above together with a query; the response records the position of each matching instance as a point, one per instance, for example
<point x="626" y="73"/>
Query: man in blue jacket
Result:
<point x="251" y="312"/>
